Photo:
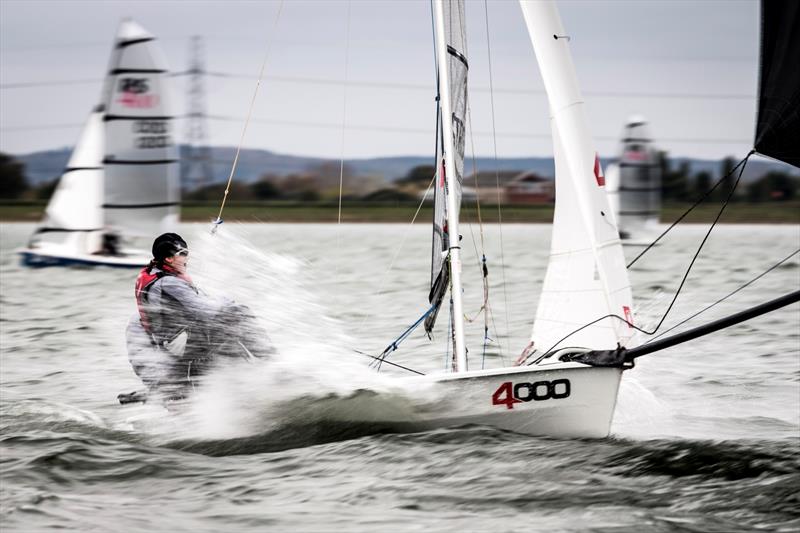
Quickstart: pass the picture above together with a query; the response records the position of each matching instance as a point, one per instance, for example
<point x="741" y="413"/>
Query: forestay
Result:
<point x="142" y="185"/>
<point x="586" y="277"/>
<point x="457" y="67"/>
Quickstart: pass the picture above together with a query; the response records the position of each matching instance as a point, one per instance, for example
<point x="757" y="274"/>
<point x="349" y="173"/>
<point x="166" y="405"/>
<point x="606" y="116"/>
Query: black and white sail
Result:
<point x="122" y="178"/>
<point x="633" y="183"/>
<point x="142" y="185"/>
<point x="456" y="66"/>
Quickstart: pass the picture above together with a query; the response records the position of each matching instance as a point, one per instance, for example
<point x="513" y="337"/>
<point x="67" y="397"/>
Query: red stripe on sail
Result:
<point x="628" y="316"/>
<point x="598" y="172"/>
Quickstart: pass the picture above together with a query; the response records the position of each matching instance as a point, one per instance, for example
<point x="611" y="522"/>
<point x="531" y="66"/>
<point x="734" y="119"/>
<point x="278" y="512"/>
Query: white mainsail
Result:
<point x="452" y="79"/>
<point x="634" y="183"/>
<point x="586" y="277"/>
<point x="142" y="186"/>
<point x="74" y="209"/>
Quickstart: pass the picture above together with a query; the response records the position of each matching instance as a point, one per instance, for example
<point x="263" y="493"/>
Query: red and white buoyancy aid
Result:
<point x="144" y="281"/>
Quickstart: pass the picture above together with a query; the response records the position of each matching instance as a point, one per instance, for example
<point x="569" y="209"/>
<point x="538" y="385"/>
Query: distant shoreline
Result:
<point x="261" y="212"/>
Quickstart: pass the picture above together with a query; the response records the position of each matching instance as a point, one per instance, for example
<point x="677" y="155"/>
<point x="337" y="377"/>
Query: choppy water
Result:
<point x="706" y="436"/>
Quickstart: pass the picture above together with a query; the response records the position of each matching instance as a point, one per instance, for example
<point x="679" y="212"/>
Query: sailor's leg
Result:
<point x="145" y="358"/>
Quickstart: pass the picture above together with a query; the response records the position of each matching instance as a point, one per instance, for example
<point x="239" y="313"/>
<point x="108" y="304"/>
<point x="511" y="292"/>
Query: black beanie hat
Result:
<point x="167" y="245"/>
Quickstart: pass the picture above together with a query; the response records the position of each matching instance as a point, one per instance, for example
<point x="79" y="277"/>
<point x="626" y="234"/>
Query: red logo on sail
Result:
<point x="129" y="99"/>
<point x="598" y="172"/>
<point x="134" y="93"/>
<point x="628" y="315"/>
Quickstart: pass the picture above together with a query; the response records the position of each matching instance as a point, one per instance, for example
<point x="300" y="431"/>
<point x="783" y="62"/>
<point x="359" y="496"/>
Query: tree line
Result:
<point x="323" y="182"/>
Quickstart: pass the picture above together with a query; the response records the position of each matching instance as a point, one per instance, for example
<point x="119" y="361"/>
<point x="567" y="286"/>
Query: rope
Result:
<point x="394" y="345"/>
<point x="770" y="269"/>
<point x="680" y="287"/>
<point x="698" y="202"/>
<point x="337" y="268"/>
<point x="402" y="243"/>
<point x="390" y="363"/>
<point x="481" y="258"/>
<point x="430" y="184"/>
<point x="219" y="220"/>
<point x="497" y="179"/>
<point x="344" y="114"/>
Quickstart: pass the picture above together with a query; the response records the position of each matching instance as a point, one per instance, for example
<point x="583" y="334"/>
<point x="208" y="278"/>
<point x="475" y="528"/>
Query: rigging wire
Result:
<point x="344" y="114"/>
<point x="770" y="269"/>
<point x="743" y="165"/>
<point x="337" y="275"/>
<point x="402" y="242"/>
<point x="497" y="181"/>
<point x="385" y="275"/>
<point x="481" y="258"/>
<point x="388" y="362"/>
<point x="218" y="220"/>
<point x="403" y="336"/>
<point x="698" y="202"/>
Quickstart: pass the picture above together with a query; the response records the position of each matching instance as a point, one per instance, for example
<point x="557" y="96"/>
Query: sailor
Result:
<point x="180" y="331"/>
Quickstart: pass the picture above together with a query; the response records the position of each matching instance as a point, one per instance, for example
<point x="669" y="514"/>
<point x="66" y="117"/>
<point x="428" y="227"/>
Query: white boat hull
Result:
<point x="558" y="400"/>
<point x="55" y="255"/>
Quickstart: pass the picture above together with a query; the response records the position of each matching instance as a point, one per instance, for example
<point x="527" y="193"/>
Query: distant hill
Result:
<point x="47" y="165"/>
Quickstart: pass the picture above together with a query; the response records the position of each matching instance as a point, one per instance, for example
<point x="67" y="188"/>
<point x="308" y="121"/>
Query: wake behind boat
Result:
<point x="121" y="182"/>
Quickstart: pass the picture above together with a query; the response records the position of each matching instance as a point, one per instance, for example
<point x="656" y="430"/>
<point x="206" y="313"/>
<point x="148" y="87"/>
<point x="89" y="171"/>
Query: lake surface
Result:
<point x="706" y="435"/>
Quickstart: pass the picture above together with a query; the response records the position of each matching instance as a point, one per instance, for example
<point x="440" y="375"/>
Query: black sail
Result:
<point x="778" y="126"/>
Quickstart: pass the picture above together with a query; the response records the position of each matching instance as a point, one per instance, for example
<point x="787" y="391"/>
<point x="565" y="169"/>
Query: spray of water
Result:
<point x="312" y="375"/>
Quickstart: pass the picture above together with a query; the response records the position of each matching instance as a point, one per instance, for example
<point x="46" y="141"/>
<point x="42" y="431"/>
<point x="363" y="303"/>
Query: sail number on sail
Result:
<point x="152" y="134"/>
<point x="510" y="393"/>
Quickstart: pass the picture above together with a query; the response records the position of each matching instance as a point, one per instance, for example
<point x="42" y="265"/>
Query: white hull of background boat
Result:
<point x="52" y="254"/>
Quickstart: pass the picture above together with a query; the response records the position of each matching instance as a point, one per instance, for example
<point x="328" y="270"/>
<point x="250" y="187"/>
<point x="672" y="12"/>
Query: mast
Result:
<point x="454" y="249"/>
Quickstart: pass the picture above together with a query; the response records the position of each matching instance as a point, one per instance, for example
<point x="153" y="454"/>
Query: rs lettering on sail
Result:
<point x="134" y="93"/>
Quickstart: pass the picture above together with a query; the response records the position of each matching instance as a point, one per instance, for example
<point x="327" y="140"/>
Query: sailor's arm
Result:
<point x="202" y="306"/>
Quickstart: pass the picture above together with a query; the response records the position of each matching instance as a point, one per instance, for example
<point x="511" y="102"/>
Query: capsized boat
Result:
<point x="121" y="182"/>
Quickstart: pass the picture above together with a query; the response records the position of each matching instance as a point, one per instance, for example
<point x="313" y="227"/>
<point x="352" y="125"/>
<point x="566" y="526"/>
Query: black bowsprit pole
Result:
<point x="622" y="357"/>
<point x="711" y="327"/>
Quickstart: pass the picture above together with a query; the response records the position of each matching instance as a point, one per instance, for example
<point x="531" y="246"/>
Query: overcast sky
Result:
<point x="689" y="67"/>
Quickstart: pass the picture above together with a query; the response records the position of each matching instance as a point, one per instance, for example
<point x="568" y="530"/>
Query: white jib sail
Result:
<point x="635" y="188"/>
<point x="74" y="209"/>
<point x="586" y="277"/>
<point x="142" y="187"/>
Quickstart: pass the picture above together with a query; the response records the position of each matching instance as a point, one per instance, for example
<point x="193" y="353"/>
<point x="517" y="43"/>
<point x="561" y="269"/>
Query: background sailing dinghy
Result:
<point x="122" y="181"/>
<point x="633" y="185"/>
